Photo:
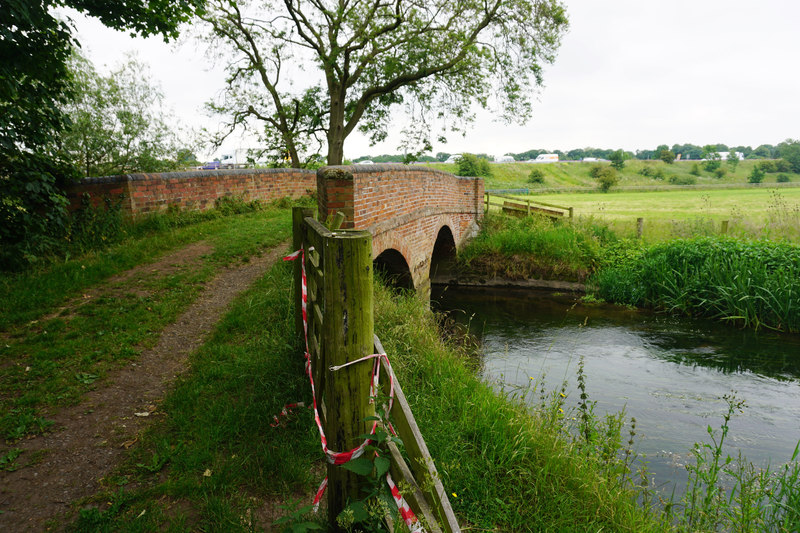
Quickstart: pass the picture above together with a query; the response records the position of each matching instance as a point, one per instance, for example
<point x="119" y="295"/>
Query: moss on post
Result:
<point x="348" y="335"/>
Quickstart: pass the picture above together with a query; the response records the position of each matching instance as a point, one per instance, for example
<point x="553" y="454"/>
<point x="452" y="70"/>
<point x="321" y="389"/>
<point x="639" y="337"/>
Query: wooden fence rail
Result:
<point x="527" y="206"/>
<point x="340" y="329"/>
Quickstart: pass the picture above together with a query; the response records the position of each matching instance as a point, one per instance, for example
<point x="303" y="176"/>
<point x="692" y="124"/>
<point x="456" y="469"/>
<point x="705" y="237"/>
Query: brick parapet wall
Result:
<point x="144" y="193"/>
<point x="379" y="197"/>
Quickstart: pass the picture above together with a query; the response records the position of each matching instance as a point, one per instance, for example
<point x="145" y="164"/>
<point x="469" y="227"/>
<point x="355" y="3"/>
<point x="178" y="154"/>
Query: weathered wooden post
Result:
<point x="639" y="227"/>
<point x="347" y="336"/>
<point x="298" y="214"/>
<point x="571" y="209"/>
<point x="724" y="227"/>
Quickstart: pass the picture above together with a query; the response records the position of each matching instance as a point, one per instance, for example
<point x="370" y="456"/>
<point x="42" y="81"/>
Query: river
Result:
<point x="670" y="373"/>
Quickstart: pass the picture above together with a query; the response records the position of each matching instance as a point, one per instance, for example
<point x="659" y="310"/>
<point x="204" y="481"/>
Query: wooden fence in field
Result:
<point x="339" y="308"/>
<point x="519" y="206"/>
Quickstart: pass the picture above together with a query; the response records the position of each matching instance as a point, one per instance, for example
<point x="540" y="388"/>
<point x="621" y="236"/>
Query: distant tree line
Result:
<point x="682" y="152"/>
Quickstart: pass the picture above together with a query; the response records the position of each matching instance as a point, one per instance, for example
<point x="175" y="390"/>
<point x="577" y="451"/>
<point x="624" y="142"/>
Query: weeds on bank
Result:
<point x="535" y="247"/>
<point x="753" y="284"/>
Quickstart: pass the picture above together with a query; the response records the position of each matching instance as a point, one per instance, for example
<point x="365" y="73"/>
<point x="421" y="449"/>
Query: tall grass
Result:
<point x="535" y="247"/>
<point x="753" y="284"/>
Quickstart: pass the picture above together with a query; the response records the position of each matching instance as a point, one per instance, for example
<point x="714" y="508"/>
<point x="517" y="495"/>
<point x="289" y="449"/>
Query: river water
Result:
<point x="669" y="372"/>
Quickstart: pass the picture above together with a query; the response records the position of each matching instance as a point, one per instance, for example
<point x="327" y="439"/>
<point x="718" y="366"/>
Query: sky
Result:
<point x="630" y="74"/>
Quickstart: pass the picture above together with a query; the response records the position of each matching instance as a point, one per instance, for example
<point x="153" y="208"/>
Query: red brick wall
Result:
<point x="195" y="190"/>
<point x="404" y="207"/>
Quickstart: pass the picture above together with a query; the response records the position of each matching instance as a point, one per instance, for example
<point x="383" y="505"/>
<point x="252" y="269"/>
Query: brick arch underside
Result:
<point x="415" y="241"/>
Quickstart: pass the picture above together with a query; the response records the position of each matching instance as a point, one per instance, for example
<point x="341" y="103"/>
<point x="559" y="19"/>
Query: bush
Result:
<point x="595" y="170"/>
<point x="782" y="165"/>
<point x="695" y="170"/>
<point x="712" y="165"/>
<point x="472" y="165"/>
<point x="682" y="180"/>
<point x="646" y="171"/>
<point x="766" y="166"/>
<point x="658" y="174"/>
<point x="782" y="178"/>
<point x="607" y="178"/>
<point x="536" y="176"/>
<point x="756" y="176"/>
<point x="720" y="173"/>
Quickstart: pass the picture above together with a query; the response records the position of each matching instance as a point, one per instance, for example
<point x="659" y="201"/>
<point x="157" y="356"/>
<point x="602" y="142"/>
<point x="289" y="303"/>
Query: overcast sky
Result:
<point x="630" y="74"/>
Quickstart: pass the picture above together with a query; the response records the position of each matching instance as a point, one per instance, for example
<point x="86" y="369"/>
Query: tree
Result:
<point x="606" y="178"/>
<point x="756" y="175"/>
<point x="733" y="160"/>
<point x="473" y="165"/>
<point x="436" y="58"/>
<point x="667" y="156"/>
<point x="34" y="86"/>
<point x="790" y="151"/>
<point x="617" y="159"/>
<point x="712" y="157"/>
<point x="117" y="124"/>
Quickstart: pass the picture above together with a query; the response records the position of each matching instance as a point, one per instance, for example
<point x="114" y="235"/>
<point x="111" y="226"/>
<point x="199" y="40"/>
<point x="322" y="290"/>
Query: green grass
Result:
<point x="535" y="247"/>
<point x="49" y="358"/>
<point x="752" y="284"/>
<point x="751" y="213"/>
<point x="508" y="470"/>
<point x="214" y="463"/>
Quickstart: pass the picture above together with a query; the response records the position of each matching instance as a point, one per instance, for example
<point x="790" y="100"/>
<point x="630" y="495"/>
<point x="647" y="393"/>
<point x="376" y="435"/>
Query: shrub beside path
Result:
<point x="89" y="439"/>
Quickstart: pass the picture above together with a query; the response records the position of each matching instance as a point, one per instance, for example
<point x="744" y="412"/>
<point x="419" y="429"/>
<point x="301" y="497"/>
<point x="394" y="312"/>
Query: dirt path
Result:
<point x="91" y="437"/>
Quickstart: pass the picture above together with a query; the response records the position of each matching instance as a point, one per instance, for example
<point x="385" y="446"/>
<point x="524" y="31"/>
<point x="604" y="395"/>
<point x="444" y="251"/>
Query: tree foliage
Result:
<point x="436" y="58"/>
<point x="667" y="156"/>
<point x="790" y="151"/>
<point x="35" y="85"/>
<point x="117" y="125"/>
<point x="473" y="165"/>
<point x="617" y="159"/>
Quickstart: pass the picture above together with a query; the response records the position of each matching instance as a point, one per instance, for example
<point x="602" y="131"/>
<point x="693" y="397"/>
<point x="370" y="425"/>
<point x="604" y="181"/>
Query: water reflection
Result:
<point x="670" y="373"/>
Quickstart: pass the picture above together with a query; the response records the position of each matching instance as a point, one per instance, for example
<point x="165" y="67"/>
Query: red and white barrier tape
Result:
<point x="339" y="458"/>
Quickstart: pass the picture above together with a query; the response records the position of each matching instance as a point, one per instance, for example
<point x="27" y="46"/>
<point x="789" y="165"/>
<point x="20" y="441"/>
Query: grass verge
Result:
<point x="49" y="357"/>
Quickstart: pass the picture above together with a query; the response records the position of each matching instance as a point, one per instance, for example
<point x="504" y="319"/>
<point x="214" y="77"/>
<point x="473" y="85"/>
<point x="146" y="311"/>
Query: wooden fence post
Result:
<point x="298" y="214"/>
<point x="639" y="227"/>
<point x="724" y="227"/>
<point x="347" y="336"/>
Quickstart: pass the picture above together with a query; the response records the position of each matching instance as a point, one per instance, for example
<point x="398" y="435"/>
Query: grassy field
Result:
<point x="557" y="175"/>
<point x="754" y="213"/>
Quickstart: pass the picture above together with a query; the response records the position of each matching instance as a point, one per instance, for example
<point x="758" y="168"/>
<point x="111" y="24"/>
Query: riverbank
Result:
<point x="747" y="283"/>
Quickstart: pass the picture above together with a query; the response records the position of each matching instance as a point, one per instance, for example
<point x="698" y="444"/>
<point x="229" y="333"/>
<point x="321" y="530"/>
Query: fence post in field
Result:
<point x="724" y="227"/>
<point x="639" y="227"/>
<point x="298" y="214"/>
<point x="347" y="335"/>
<point x="571" y="209"/>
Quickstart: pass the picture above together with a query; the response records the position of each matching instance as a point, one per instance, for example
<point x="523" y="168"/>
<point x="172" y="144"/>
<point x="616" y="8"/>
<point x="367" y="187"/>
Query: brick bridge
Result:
<point x="418" y="216"/>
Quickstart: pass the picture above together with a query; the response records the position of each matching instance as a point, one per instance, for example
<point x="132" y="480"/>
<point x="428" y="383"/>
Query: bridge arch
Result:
<point x="391" y="264"/>
<point x="443" y="255"/>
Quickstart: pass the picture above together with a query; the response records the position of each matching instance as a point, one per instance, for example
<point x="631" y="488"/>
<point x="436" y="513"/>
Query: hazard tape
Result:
<point x="339" y="458"/>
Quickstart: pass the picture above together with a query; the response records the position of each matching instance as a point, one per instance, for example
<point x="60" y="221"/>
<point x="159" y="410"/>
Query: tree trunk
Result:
<point x="336" y="129"/>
